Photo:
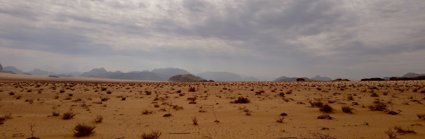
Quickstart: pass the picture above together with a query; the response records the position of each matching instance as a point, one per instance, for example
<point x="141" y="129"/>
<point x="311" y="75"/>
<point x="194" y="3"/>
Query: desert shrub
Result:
<point x="192" y="89"/>
<point x="194" y="121"/>
<point x="83" y="130"/>
<point x="325" y="116"/>
<point x="421" y="116"/>
<point x="2" y="120"/>
<point x="402" y="131"/>
<point x="280" y="120"/>
<point x="98" y="119"/>
<point x="152" y="135"/>
<point x="321" y="136"/>
<point x="68" y="115"/>
<point x="283" y="114"/>
<point x="391" y="134"/>
<point x="316" y="104"/>
<point x="374" y="95"/>
<point x="347" y="109"/>
<point x="147" y="112"/>
<point x="55" y="113"/>
<point x="167" y="115"/>
<point x="241" y="100"/>
<point x="326" y="108"/>
<point x="378" y="106"/>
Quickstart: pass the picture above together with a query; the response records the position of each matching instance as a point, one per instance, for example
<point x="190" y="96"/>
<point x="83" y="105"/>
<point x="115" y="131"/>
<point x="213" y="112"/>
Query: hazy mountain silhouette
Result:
<point x="186" y="78"/>
<point x="166" y="73"/>
<point x="161" y="74"/>
<point x="13" y="70"/>
<point x="1" y="67"/>
<point x="220" y="76"/>
<point x="412" y="75"/>
<point x="40" y="72"/>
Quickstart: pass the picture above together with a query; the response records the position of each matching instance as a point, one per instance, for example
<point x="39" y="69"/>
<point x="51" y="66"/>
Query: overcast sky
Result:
<point x="262" y="38"/>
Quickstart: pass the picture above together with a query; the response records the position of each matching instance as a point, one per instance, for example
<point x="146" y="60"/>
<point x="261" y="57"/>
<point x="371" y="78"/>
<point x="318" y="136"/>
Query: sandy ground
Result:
<point x="30" y="101"/>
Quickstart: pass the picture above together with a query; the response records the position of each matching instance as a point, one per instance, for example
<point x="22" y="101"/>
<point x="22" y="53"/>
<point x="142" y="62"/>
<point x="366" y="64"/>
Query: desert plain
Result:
<point x="51" y="108"/>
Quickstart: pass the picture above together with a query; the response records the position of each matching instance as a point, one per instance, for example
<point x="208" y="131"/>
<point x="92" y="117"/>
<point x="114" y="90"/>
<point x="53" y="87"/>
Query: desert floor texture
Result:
<point x="217" y="110"/>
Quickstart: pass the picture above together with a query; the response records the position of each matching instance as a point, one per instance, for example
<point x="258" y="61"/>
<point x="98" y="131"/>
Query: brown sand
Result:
<point x="29" y="100"/>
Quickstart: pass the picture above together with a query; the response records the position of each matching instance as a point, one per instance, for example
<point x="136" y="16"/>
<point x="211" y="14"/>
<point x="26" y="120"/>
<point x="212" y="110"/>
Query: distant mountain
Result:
<point x="412" y="75"/>
<point x="166" y="73"/>
<point x="13" y="69"/>
<point x="96" y="72"/>
<point x="186" y="78"/>
<point x="284" y="79"/>
<point x="220" y="76"/>
<point x="40" y="72"/>
<point x="162" y="74"/>
<point x="320" y="78"/>
<point x="1" y="67"/>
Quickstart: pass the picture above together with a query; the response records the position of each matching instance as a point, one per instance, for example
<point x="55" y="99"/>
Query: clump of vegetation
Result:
<point x="316" y="104"/>
<point x="241" y="100"/>
<point x="280" y="120"/>
<point x="347" y="109"/>
<point x="167" y="115"/>
<point x="378" y="106"/>
<point x="32" y="133"/>
<point x="98" y="119"/>
<point x="4" y="118"/>
<point x="325" y="116"/>
<point x="147" y="112"/>
<point x="82" y="130"/>
<point x="421" y="116"/>
<point x="402" y="131"/>
<point x="55" y="114"/>
<point x="322" y="136"/>
<point x="192" y="89"/>
<point x="152" y="135"/>
<point x="326" y="108"/>
<point x="391" y="134"/>
<point x="68" y="115"/>
<point x="194" y="121"/>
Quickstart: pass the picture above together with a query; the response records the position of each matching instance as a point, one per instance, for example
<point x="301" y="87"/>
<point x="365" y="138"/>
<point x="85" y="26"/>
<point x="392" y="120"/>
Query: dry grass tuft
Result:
<point x="152" y="135"/>
<point x="83" y="130"/>
<point x="241" y="100"/>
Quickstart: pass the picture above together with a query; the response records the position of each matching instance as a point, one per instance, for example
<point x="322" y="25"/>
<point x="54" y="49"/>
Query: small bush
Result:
<point x="153" y="135"/>
<point x="421" y="116"/>
<point x="325" y="116"/>
<point x="68" y="115"/>
<point x="378" y="106"/>
<point x="98" y="119"/>
<point x="326" y="108"/>
<point x="167" y="115"/>
<point x="280" y="120"/>
<point x="55" y="114"/>
<point x="391" y="134"/>
<point x="347" y="109"/>
<point x="317" y="104"/>
<point x="194" y="121"/>
<point x="147" y="112"/>
<point x="83" y="130"/>
<point x="241" y="100"/>
<point x="402" y="131"/>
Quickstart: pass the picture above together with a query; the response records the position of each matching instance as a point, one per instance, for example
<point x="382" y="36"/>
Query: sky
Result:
<point x="261" y="38"/>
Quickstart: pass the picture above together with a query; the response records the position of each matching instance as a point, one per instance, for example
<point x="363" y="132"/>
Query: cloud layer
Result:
<point x="264" y="38"/>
